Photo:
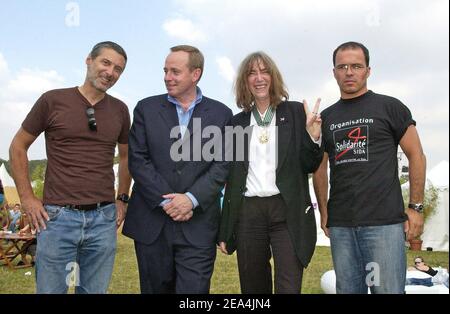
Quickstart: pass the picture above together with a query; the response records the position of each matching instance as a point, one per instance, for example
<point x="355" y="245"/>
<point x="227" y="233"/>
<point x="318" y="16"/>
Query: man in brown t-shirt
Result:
<point x="77" y="220"/>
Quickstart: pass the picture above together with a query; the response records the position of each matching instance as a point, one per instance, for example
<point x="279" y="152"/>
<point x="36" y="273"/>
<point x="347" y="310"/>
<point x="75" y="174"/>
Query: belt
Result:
<point x="86" y="207"/>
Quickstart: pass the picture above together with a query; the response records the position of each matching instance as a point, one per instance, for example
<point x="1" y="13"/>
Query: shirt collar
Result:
<point x="198" y="99"/>
<point x="252" y="118"/>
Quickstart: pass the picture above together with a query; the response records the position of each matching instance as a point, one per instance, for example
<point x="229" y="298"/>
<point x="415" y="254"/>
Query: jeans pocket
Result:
<point x="109" y="212"/>
<point x="53" y="211"/>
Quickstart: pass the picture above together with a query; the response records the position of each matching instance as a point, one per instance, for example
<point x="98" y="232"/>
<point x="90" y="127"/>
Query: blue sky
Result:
<point x="43" y="47"/>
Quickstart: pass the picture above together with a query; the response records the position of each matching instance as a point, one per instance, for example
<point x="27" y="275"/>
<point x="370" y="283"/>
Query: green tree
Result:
<point x="37" y="180"/>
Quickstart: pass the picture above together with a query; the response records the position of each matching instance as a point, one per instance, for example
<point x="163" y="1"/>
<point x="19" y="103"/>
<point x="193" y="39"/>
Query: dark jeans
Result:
<point x="262" y="232"/>
<point x="419" y="282"/>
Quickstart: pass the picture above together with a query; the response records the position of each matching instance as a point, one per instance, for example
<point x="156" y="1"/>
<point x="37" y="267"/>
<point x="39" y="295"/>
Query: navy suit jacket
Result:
<point x="155" y="173"/>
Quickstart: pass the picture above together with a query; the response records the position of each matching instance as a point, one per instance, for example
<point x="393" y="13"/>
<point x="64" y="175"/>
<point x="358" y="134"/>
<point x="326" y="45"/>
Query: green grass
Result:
<point x="225" y="278"/>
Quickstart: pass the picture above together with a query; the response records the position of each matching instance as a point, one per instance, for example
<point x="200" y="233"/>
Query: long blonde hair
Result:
<point x="278" y="91"/>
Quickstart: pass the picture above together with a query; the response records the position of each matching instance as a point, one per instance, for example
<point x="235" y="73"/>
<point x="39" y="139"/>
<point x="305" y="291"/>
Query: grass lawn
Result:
<point x="225" y="278"/>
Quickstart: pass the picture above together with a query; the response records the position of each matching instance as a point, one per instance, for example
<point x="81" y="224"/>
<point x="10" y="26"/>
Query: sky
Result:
<point x="44" y="44"/>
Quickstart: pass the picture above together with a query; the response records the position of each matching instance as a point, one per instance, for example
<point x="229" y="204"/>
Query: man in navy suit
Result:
<point x="173" y="213"/>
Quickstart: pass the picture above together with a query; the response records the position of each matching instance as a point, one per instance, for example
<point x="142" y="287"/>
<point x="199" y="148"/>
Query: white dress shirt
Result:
<point x="263" y="160"/>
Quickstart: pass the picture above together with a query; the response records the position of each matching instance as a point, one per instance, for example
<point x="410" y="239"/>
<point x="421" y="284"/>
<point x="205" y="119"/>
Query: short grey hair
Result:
<point x="96" y="50"/>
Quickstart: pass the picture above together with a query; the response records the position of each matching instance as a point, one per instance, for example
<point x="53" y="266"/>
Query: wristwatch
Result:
<point x="123" y="197"/>
<point x="417" y="207"/>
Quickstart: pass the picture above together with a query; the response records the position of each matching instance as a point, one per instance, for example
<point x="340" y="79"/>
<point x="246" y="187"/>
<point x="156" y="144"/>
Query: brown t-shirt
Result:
<point x="80" y="161"/>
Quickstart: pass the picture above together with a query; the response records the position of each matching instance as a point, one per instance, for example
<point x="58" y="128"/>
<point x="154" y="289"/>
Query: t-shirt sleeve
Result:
<point x="123" y="137"/>
<point x="36" y="121"/>
<point x="401" y="119"/>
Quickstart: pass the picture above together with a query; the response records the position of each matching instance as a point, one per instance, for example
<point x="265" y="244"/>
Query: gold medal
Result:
<point x="263" y="122"/>
<point x="264" y="137"/>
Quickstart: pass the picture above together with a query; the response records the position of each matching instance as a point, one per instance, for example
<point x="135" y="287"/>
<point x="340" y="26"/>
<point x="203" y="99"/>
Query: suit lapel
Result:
<point x="284" y="129"/>
<point x="244" y="122"/>
<point x="168" y="112"/>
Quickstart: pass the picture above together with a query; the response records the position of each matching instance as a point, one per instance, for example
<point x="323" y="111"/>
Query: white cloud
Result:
<point x="400" y="89"/>
<point x="407" y="40"/>
<point x="184" y="29"/>
<point x="30" y="83"/>
<point x="4" y="71"/>
<point x="226" y="69"/>
<point x="17" y="96"/>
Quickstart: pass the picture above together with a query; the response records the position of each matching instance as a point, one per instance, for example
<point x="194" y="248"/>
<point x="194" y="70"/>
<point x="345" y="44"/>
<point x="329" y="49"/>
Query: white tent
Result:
<point x="435" y="233"/>
<point x="7" y="181"/>
<point x="439" y="175"/>
<point x="436" y="227"/>
<point x="436" y="230"/>
<point x="8" y="184"/>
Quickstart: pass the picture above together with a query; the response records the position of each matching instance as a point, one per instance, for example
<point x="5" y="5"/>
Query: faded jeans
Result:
<point x="369" y="257"/>
<point x="77" y="249"/>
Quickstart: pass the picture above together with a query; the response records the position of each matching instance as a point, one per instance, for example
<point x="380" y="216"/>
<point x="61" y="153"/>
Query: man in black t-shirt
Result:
<point x="364" y="215"/>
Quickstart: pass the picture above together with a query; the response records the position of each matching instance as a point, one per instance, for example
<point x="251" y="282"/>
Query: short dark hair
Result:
<point x="95" y="52"/>
<point x="352" y="45"/>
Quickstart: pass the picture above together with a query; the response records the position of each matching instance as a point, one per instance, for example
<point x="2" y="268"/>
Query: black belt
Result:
<point x="86" y="207"/>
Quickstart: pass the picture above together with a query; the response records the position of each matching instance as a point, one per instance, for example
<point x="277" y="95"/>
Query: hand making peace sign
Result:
<point x="313" y="120"/>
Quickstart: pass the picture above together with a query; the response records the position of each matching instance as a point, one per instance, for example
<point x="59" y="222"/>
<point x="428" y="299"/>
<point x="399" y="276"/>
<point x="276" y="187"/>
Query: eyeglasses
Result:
<point x="356" y="67"/>
<point x="418" y="262"/>
<point x="91" y="119"/>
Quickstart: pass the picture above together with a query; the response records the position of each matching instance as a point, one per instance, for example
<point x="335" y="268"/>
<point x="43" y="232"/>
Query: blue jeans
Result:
<point x="77" y="248"/>
<point x="372" y="256"/>
<point x="419" y="282"/>
<point x="12" y="225"/>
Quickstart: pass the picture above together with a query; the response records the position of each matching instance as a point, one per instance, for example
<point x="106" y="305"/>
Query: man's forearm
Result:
<point x="124" y="177"/>
<point x="417" y="168"/>
<point x="19" y="167"/>
<point x="320" y="182"/>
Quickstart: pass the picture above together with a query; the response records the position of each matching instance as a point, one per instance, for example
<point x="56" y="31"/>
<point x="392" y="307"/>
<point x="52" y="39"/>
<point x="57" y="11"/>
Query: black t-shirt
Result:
<point x="361" y="136"/>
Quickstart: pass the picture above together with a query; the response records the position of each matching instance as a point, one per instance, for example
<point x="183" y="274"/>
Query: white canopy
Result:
<point x="436" y="230"/>
<point x="438" y="176"/>
<point x="7" y="181"/>
<point x="435" y="233"/>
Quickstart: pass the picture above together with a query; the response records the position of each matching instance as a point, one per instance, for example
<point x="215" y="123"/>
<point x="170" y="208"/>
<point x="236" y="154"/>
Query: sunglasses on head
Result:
<point x="92" y="123"/>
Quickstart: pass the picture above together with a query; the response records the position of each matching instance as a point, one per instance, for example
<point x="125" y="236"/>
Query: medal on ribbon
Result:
<point x="264" y="123"/>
